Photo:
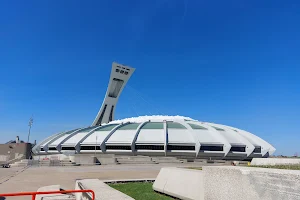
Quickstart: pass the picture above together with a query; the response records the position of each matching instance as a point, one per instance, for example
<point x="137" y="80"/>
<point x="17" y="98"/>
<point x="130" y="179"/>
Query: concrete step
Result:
<point x="135" y="162"/>
<point x="168" y="161"/>
<point x="135" y="159"/>
<point x="164" y="158"/>
<point x="70" y="165"/>
<point x="200" y="160"/>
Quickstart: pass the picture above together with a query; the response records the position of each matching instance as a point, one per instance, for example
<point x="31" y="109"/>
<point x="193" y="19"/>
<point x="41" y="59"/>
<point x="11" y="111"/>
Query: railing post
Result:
<point x="33" y="196"/>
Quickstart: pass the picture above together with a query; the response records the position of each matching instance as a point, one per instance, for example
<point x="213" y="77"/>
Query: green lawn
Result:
<point x="139" y="191"/>
<point x="293" y="167"/>
<point x="197" y="168"/>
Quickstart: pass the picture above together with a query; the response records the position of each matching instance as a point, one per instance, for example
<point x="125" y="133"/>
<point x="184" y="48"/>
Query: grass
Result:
<point x="197" y="168"/>
<point x="292" y="167"/>
<point x="139" y="191"/>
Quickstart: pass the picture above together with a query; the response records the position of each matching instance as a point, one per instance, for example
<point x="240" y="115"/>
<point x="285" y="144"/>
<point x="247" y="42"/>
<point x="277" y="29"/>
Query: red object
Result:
<point x="33" y="194"/>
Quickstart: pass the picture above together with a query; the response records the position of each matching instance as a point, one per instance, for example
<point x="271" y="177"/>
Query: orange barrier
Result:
<point x="33" y="194"/>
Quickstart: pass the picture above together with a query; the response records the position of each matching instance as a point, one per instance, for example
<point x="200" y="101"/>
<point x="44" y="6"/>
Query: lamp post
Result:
<point x="29" y="124"/>
<point x="96" y="146"/>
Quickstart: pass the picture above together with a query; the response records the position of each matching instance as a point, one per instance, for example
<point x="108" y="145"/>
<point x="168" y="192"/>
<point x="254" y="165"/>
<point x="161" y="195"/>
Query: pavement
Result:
<point x="32" y="178"/>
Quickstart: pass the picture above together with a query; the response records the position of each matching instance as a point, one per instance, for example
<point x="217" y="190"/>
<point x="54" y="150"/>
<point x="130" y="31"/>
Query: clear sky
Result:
<point x="230" y="62"/>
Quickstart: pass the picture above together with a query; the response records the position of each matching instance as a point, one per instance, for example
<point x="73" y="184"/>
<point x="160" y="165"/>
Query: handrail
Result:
<point x="33" y="194"/>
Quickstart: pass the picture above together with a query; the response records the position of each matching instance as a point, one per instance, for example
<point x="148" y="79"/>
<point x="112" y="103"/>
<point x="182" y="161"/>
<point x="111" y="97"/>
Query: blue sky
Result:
<point x="229" y="62"/>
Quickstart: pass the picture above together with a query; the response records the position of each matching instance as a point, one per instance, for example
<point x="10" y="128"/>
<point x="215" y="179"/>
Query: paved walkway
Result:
<point x="34" y="177"/>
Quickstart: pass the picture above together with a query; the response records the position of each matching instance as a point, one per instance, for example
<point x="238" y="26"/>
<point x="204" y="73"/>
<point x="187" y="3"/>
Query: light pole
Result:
<point x="29" y="124"/>
<point x="96" y="146"/>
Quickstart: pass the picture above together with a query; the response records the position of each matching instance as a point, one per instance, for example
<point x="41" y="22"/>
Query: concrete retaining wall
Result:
<point x="229" y="183"/>
<point x="102" y="190"/>
<point x="85" y="160"/>
<point x="14" y="150"/>
<point x="52" y="157"/>
<point x="248" y="183"/>
<point x="181" y="183"/>
<point x="107" y="161"/>
<point x="275" y="161"/>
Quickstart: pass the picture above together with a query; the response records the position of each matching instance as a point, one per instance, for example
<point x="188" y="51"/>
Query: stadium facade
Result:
<point x="153" y="135"/>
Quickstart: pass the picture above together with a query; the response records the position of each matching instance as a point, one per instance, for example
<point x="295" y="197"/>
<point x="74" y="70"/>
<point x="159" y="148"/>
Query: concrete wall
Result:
<point x="55" y="157"/>
<point x="83" y="159"/>
<point x="102" y="190"/>
<point x="275" y="161"/>
<point x="181" y="183"/>
<point x="248" y="183"/>
<point x="229" y="183"/>
<point x="14" y="150"/>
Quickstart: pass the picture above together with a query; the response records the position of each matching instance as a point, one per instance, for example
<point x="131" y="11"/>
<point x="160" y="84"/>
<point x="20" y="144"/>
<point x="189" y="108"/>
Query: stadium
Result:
<point x="153" y="135"/>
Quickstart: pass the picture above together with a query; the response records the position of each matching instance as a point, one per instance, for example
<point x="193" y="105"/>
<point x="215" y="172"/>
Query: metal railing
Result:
<point x="33" y="194"/>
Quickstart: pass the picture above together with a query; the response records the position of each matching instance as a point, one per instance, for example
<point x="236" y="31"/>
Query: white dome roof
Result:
<point x="160" y="135"/>
<point x="151" y="118"/>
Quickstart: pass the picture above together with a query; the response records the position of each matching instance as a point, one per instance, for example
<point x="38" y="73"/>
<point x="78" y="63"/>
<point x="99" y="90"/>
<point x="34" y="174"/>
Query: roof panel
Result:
<point x="180" y="136"/>
<point x="56" y="142"/>
<point x="96" y="137"/>
<point x="122" y="136"/>
<point x="151" y="136"/>
<point x="81" y="134"/>
<point x="233" y="137"/>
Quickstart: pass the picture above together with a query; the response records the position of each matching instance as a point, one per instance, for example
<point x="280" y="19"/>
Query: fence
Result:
<point x="33" y="194"/>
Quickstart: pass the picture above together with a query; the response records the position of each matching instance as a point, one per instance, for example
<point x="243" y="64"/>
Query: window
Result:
<point x="153" y="125"/>
<point x="126" y="73"/>
<point x="182" y="148"/>
<point x="52" y="149"/>
<point x="175" y="125"/>
<point x="68" y="148"/>
<point x="122" y="71"/>
<point x="119" y="147"/>
<point x="218" y="129"/>
<point x="211" y="148"/>
<point x="132" y="126"/>
<point x="97" y="147"/>
<point x="238" y="149"/>
<point x="42" y="149"/>
<point x="149" y="147"/>
<point x="87" y="129"/>
<point x="69" y="132"/>
<point x="195" y="126"/>
<point x="115" y="87"/>
<point x="108" y="127"/>
<point x="117" y="70"/>
<point x="257" y="150"/>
